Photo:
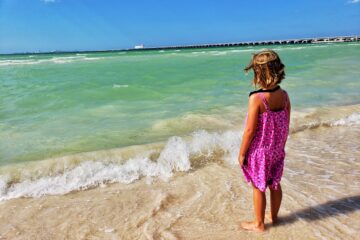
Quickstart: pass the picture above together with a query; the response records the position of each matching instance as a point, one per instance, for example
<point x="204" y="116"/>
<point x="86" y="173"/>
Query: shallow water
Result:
<point x="62" y="175"/>
<point x="73" y="103"/>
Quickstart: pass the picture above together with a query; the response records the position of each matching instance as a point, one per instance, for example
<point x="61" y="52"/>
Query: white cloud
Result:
<point x="353" y="1"/>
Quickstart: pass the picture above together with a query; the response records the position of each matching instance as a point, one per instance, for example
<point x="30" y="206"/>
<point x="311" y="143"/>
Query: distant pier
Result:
<point x="258" y="43"/>
<point x="141" y="47"/>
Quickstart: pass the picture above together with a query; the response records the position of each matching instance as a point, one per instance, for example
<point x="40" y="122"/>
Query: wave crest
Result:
<point x="177" y="155"/>
<point x="56" y="60"/>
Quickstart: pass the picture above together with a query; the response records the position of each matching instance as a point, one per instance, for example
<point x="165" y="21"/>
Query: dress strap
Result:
<point x="266" y="104"/>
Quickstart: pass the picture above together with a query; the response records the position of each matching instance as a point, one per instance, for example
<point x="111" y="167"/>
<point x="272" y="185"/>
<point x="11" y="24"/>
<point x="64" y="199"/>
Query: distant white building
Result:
<point x="140" y="46"/>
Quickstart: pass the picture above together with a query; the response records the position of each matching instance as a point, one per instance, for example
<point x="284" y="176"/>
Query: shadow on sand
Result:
<point x="329" y="209"/>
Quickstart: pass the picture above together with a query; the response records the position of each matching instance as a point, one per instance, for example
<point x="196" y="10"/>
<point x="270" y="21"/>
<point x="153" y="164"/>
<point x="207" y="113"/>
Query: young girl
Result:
<point x="262" y="152"/>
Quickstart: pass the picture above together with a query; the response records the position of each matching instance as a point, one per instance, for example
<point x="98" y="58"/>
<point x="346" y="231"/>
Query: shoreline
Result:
<point x="64" y="174"/>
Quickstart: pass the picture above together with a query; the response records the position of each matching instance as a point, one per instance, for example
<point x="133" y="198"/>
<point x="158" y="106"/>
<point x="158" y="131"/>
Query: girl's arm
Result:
<point x="289" y="108"/>
<point x="250" y="127"/>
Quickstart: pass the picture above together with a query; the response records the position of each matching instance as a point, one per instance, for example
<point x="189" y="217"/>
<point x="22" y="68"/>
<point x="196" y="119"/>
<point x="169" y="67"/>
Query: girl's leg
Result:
<point x="259" y="206"/>
<point x="275" y="202"/>
<point x="259" y="209"/>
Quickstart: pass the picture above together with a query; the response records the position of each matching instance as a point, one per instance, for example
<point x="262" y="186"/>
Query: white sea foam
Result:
<point x="175" y="156"/>
<point x="18" y="62"/>
<point x="353" y="119"/>
<point x="178" y="154"/>
<point x="56" y="60"/>
<point x="288" y="48"/>
<point x="3" y="184"/>
<point x="205" y="143"/>
<point x="63" y="60"/>
<point x="199" y="52"/>
<point x="243" y="50"/>
<point x="120" y="85"/>
<point x="218" y="53"/>
<point x="353" y="44"/>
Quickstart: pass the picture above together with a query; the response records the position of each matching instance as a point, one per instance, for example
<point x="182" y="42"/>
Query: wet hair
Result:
<point x="268" y="69"/>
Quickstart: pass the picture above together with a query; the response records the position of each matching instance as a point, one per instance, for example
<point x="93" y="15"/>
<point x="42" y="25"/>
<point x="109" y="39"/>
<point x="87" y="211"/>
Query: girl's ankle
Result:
<point x="259" y="224"/>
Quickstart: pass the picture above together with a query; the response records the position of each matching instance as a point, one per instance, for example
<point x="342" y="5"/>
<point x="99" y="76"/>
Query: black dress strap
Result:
<point x="262" y="90"/>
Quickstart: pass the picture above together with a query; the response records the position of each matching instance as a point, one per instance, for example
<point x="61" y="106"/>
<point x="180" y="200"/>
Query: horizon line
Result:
<point x="307" y="40"/>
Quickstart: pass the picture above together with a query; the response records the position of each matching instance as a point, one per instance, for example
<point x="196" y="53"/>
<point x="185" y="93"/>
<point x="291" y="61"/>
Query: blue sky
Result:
<point x="46" y="25"/>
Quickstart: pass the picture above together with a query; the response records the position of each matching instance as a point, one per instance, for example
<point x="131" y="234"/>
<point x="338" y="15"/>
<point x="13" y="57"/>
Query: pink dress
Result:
<point x="264" y="161"/>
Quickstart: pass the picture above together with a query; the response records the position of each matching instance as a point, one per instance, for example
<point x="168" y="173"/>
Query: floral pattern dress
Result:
<point x="264" y="162"/>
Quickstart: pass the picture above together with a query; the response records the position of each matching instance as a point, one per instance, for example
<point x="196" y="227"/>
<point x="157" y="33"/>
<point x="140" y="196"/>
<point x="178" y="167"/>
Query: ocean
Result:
<point x="167" y="125"/>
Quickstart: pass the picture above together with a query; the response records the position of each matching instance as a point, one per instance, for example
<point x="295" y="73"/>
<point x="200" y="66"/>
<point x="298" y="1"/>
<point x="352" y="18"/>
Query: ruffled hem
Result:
<point x="248" y="178"/>
<point x="261" y="185"/>
<point x="261" y="169"/>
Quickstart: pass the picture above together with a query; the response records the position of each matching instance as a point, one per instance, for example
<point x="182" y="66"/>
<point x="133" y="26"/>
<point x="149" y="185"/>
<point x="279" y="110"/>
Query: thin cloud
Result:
<point x="353" y="1"/>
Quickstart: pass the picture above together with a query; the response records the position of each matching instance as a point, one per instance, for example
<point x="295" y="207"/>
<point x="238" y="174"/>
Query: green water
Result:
<point x="59" y="104"/>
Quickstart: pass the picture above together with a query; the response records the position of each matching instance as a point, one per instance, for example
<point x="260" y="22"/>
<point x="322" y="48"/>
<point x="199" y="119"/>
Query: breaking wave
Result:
<point x="56" y="60"/>
<point x="125" y="165"/>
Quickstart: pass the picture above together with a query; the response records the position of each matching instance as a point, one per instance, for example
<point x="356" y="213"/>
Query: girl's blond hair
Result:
<point x="268" y="69"/>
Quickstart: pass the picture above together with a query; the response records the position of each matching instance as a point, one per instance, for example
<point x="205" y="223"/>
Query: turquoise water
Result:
<point x="59" y="104"/>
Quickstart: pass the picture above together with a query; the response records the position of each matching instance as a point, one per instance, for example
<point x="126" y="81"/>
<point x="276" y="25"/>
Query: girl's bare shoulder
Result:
<point x="254" y="100"/>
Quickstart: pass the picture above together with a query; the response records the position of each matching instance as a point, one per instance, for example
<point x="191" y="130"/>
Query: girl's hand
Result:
<point x="241" y="160"/>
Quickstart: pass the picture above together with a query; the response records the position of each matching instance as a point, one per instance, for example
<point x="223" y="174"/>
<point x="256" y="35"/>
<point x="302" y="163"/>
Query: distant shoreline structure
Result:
<point x="258" y="43"/>
<point x="141" y="47"/>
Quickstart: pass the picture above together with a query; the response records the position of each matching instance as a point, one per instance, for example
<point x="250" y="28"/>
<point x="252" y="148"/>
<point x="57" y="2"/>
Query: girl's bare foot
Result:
<point x="252" y="226"/>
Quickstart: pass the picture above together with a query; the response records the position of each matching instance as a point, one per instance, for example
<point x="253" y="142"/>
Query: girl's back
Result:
<point x="276" y="100"/>
<point x="273" y="123"/>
